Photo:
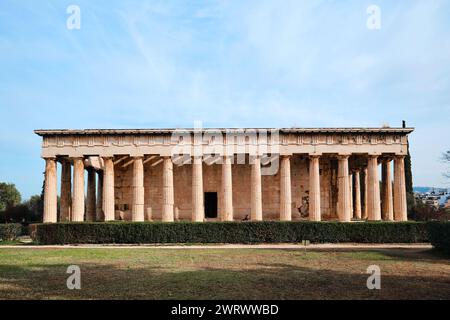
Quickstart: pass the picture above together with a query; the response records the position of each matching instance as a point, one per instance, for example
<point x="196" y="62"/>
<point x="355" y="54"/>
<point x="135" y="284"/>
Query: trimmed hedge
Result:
<point x="230" y="232"/>
<point x="10" y="231"/>
<point x="439" y="235"/>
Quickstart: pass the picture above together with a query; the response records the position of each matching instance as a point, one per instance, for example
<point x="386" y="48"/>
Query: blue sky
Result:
<point x="145" y="64"/>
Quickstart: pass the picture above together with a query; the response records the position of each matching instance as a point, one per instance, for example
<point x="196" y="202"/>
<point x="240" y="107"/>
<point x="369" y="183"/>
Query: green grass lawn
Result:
<point x="10" y="242"/>
<point x="138" y="273"/>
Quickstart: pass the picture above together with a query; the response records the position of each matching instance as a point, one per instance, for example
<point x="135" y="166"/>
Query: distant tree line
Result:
<point x="13" y="209"/>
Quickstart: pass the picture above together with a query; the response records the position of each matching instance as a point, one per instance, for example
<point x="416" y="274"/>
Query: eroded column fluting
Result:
<point x="314" y="189"/>
<point x="108" y="189"/>
<point x="373" y="189"/>
<point x="255" y="192"/>
<point x="78" y="190"/>
<point x="350" y="184"/>
<point x="364" y="213"/>
<point x="387" y="204"/>
<point x="344" y="209"/>
<point x="198" y="208"/>
<point x="227" y="190"/>
<point x="137" y="201"/>
<point x="168" y="195"/>
<point x="285" y="189"/>
<point x="50" y="196"/>
<point x="400" y="204"/>
<point x="357" y="192"/>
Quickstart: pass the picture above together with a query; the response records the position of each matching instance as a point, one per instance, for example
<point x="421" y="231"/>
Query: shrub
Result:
<point x="10" y="231"/>
<point x="18" y="214"/>
<point x="230" y="232"/>
<point x="439" y="235"/>
<point x="422" y="212"/>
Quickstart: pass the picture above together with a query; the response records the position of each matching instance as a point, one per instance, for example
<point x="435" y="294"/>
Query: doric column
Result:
<point x="400" y="208"/>
<point x="314" y="189"/>
<point x="78" y="190"/>
<point x="373" y="189"/>
<point x="50" y="197"/>
<point x="108" y="189"/>
<point x="66" y="190"/>
<point x="168" y="197"/>
<point x="350" y="184"/>
<point x="99" y="211"/>
<point x="387" y="209"/>
<point x="255" y="191"/>
<point x="198" y="208"/>
<point x="227" y="190"/>
<point x="357" y="188"/>
<point x="285" y="189"/>
<point x="344" y="208"/>
<point x="137" y="204"/>
<point x="91" y="204"/>
<point x="365" y="195"/>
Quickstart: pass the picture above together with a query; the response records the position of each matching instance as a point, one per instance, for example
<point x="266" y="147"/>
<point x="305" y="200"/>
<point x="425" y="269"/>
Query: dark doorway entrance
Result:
<point x="211" y="204"/>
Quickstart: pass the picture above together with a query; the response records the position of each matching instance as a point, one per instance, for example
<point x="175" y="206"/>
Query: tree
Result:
<point x="408" y="173"/>
<point x="422" y="212"/>
<point x="17" y="214"/>
<point x="36" y="207"/>
<point x="409" y="183"/>
<point x="9" y="196"/>
<point x="27" y="212"/>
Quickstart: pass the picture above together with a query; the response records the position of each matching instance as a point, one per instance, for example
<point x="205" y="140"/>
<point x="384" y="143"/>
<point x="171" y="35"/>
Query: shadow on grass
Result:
<point x="408" y="254"/>
<point x="412" y="255"/>
<point x="267" y="281"/>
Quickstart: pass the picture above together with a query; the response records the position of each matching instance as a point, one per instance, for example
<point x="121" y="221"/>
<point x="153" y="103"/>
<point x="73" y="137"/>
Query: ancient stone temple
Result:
<point x="225" y="174"/>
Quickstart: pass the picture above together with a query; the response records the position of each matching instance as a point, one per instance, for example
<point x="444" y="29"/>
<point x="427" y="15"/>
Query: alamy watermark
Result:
<point x="374" y="280"/>
<point x="73" y="21"/>
<point x="74" y="280"/>
<point x="241" y="145"/>
<point x="374" y="19"/>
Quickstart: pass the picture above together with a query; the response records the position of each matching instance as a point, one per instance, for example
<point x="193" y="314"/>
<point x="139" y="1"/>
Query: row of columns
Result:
<point x="100" y="197"/>
<point x="392" y="205"/>
<point x="101" y="207"/>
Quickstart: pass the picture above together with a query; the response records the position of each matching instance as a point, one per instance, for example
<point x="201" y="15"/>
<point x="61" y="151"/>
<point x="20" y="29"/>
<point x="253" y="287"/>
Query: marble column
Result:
<point x="137" y="201"/>
<point x="344" y="208"/>
<point x="198" y="207"/>
<point x="400" y="207"/>
<point x="227" y="190"/>
<point x="255" y="192"/>
<point x="357" y="188"/>
<point x="99" y="211"/>
<point x="78" y="190"/>
<point x="364" y="216"/>
<point x="168" y="195"/>
<point x="66" y="190"/>
<point x="108" y="190"/>
<point x="350" y="183"/>
<point x="50" y="196"/>
<point x="285" y="189"/>
<point x="373" y="189"/>
<point x="91" y="205"/>
<point x="314" y="189"/>
<point x="387" y="208"/>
